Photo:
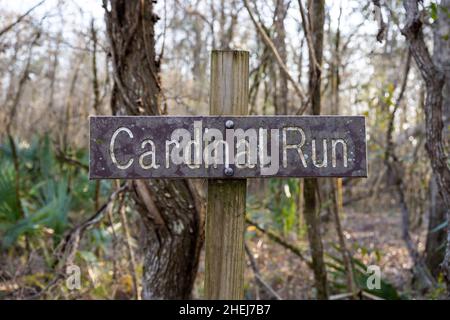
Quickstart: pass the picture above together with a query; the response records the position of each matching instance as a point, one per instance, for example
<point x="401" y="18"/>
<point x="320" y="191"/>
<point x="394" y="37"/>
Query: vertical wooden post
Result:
<point x="225" y="218"/>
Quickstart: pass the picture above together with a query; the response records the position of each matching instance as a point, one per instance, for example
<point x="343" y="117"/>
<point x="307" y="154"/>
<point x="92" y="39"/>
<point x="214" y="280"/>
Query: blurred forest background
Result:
<point x="61" y="61"/>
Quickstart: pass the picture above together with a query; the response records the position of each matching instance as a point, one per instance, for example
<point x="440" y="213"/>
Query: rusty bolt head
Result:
<point x="228" y="171"/>
<point x="229" y="124"/>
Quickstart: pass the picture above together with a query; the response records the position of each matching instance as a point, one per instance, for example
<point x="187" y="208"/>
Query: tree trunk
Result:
<point x="434" y="250"/>
<point x="281" y="93"/>
<point x="170" y="209"/>
<point x="441" y="56"/>
<point x="311" y="212"/>
<point x="434" y="79"/>
<point x="312" y="205"/>
<point x="317" y="19"/>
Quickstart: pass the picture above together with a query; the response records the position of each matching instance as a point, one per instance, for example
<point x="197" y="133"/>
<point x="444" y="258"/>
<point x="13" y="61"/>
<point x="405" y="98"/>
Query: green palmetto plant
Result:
<point x="49" y="191"/>
<point x="9" y="209"/>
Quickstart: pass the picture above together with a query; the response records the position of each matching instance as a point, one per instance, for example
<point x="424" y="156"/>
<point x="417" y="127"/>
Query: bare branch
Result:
<point x="307" y="31"/>
<point x="71" y="242"/>
<point x="68" y="247"/>
<point x="273" y="49"/>
<point x="394" y="167"/>
<point x="258" y="276"/>
<point x="19" y="19"/>
<point x="380" y="20"/>
<point x="280" y="241"/>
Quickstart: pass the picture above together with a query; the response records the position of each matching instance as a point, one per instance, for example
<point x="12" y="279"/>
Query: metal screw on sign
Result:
<point x="228" y="171"/>
<point x="229" y="124"/>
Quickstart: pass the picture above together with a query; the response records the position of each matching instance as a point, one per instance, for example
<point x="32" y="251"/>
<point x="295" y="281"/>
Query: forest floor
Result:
<point x="380" y="232"/>
<point x="373" y="238"/>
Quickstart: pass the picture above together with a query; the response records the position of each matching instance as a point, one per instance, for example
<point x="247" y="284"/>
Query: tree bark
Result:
<point x="311" y="212"/>
<point x="434" y="250"/>
<point x="434" y="81"/>
<point x="171" y="212"/>
<point x="281" y="95"/>
<point x="316" y="22"/>
<point x="312" y="205"/>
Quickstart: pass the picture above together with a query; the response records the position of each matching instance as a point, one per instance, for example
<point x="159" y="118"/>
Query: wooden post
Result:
<point x="225" y="218"/>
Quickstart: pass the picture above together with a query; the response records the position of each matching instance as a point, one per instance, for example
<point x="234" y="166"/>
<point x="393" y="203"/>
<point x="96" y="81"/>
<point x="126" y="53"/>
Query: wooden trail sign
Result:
<point x="227" y="147"/>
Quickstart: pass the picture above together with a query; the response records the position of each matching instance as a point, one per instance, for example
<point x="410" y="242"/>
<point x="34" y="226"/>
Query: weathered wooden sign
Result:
<point x="227" y="146"/>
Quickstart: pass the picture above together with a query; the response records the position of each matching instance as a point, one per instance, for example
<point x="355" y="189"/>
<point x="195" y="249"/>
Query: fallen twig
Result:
<point x="258" y="276"/>
<point x="280" y="241"/>
<point x="66" y="250"/>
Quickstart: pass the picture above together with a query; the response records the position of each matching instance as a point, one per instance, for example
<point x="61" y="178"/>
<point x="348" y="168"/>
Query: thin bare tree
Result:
<point x="434" y="79"/>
